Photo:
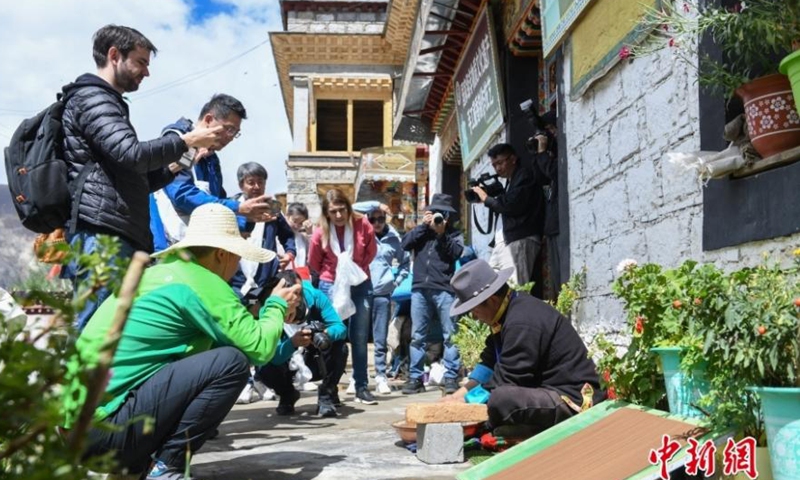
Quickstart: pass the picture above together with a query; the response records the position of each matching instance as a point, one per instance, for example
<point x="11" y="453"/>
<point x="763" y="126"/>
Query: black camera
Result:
<point x="438" y="218"/>
<point x="319" y="337"/>
<point x="487" y="182"/>
<point x="539" y="125"/>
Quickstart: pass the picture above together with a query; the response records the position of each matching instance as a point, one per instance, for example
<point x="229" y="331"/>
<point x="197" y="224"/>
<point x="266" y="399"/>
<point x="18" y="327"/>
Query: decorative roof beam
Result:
<point x="426" y="51"/>
<point x="447" y="32"/>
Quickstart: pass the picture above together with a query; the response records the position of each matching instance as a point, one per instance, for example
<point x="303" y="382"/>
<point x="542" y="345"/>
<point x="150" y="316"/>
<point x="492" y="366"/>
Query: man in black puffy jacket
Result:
<point x="112" y="197"/>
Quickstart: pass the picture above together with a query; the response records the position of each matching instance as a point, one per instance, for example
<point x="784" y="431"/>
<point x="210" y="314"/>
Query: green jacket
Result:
<point x="181" y="309"/>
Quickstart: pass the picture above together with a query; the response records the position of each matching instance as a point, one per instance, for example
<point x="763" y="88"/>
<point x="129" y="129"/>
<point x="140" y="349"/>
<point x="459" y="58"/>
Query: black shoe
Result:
<point x="286" y="403"/>
<point x="334" y="393"/>
<point x="363" y="396"/>
<point x="450" y="386"/>
<point x="326" y="409"/>
<point x="412" y="386"/>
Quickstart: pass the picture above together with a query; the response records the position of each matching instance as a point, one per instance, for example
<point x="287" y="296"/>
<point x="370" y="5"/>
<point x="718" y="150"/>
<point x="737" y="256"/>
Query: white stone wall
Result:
<point x="302" y="185"/>
<point x="336" y="22"/>
<point x="626" y="200"/>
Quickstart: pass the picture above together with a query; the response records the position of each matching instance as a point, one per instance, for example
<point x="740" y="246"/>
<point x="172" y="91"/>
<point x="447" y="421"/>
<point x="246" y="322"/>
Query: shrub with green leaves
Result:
<point x="32" y="372"/>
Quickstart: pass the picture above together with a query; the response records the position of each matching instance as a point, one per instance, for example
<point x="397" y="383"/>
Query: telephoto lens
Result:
<point x="438" y="218"/>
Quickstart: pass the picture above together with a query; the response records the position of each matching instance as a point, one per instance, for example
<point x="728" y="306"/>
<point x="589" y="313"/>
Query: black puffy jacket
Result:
<point x="114" y="199"/>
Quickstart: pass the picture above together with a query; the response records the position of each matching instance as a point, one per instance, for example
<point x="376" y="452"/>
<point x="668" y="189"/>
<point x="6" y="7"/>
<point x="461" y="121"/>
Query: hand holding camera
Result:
<point x="301" y="338"/>
<point x="317" y="334"/>
<point x="260" y="209"/>
<point x="487" y="183"/>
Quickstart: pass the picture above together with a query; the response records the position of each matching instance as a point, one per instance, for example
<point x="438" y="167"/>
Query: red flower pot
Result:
<point x="772" y="119"/>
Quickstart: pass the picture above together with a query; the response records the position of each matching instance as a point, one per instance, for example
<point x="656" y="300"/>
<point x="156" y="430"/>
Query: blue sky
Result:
<point x="202" y="10"/>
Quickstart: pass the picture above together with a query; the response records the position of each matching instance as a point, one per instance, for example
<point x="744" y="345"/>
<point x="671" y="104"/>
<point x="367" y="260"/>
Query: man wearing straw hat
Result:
<point x="185" y="352"/>
<point x="534" y="365"/>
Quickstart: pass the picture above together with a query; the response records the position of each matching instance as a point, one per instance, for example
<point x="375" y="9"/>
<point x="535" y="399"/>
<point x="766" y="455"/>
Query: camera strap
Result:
<point x="490" y="227"/>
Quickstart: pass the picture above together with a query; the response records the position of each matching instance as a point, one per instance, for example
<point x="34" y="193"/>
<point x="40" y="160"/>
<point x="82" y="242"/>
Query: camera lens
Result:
<point x="321" y="340"/>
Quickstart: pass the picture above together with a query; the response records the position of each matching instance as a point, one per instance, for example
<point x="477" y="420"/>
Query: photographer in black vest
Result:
<point x="520" y="206"/>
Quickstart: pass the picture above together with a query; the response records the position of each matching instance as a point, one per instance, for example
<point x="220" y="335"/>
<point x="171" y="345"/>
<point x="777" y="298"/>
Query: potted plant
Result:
<point x="753" y="355"/>
<point x="663" y="310"/>
<point x="749" y="35"/>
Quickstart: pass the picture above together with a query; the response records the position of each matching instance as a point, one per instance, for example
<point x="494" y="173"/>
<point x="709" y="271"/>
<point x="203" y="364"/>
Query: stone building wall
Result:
<point x="336" y="22"/>
<point x="626" y="200"/>
<point x="302" y="185"/>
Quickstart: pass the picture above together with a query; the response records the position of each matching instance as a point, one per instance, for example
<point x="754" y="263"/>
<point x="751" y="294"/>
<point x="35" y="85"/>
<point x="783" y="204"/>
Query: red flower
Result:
<point x="665" y="27"/>
<point x="624" y="52"/>
<point x="607" y="376"/>
<point x="686" y="7"/>
<point x="672" y="42"/>
<point x="612" y="393"/>
<point x="639" y="327"/>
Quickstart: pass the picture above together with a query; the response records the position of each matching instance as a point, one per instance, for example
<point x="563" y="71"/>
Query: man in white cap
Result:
<point x="535" y="367"/>
<point x="185" y="352"/>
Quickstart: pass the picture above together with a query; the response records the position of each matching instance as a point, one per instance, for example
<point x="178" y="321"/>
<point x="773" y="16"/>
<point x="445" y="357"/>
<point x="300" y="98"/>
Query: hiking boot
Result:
<point x="450" y="386"/>
<point x="286" y="403"/>
<point x="412" y="386"/>
<point x="161" y="471"/>
<point x="363" y="396"/>
<point x="382" y="385"/>
<point x="326" y="409"/>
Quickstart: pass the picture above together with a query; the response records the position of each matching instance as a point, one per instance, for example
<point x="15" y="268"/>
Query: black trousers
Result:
<point x="186" y="400"/>
<point x="281" y="379"/>
<point x="540" y="408"/>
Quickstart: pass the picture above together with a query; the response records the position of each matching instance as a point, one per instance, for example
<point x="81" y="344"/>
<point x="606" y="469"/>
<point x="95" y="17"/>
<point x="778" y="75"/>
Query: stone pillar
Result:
<point x="300" y="120"/>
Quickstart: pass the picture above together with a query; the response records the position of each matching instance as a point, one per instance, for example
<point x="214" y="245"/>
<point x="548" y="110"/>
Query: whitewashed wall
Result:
<point x="626" y="201"/>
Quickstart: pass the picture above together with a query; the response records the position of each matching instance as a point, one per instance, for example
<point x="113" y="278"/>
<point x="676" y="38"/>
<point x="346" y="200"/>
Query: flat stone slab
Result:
<point x="439" y="443"/>
<point x="446" y="413"/>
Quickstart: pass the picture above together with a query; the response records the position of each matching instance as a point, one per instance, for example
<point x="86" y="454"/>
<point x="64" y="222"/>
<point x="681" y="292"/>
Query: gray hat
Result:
<point x="474" y="283"/>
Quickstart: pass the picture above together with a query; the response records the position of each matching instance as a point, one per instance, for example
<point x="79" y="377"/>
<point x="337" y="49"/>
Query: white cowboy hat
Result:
<point x="474" y="283"/>
<point x="214" y="225"/>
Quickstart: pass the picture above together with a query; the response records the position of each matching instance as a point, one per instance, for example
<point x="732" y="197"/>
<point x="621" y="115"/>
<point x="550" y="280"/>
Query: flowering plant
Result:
<point x="665" y="308"/>
<point x="748" y="34"/>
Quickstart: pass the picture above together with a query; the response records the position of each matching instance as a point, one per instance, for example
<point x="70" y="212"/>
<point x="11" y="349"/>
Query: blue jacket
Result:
<point x="185" y="195"/>
<point x="279" y="229"/>
<point x="389" y="248"/>
<point x="320" y="309"/>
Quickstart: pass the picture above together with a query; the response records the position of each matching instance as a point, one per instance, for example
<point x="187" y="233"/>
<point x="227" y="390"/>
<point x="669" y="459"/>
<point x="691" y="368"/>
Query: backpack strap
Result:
<point x="76" y="198"/>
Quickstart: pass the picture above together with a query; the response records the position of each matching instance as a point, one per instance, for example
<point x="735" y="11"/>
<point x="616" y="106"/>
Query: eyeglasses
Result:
<point x="231" y="131"/>
<point x="377" y="219"/>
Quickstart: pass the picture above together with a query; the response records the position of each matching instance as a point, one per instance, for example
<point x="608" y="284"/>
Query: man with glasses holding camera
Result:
<point x="520" y="208"/>
<point x="199" y="181"/>
<point x="316" y="327"/>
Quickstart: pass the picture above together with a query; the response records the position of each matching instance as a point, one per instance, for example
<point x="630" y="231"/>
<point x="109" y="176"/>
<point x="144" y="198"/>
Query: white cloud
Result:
<point x="47" y="44"/>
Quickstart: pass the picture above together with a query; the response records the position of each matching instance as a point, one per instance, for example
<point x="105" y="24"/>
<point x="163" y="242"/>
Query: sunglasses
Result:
<point x="377" y="219"/>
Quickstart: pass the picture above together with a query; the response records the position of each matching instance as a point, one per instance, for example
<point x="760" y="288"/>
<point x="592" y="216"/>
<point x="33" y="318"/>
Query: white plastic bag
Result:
<point x="436" y="375"/>
<point x="298" y="365"/>
<point x="393" y="335"/>
<point x="348" y="274"/>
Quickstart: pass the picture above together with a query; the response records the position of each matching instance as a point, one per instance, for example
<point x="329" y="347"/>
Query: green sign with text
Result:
<point x="479" y="99"/>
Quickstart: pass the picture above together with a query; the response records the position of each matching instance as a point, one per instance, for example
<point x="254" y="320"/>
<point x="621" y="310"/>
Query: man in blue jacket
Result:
<point x="436" y="246"/>
<point x="326" y="364"/>
<point x="275" y="228"/>
<point x="202" y="183"/>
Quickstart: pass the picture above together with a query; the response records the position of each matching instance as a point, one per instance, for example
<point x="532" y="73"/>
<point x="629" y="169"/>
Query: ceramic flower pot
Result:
<point x="790" y="66"/>
<point x="682" y="390"/>
<point x="781" y="409"/>
<point x="772" y="119"/>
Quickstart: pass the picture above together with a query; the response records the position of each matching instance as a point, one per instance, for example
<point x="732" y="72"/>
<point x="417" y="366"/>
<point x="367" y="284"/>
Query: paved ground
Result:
<point x="254" y="443"/>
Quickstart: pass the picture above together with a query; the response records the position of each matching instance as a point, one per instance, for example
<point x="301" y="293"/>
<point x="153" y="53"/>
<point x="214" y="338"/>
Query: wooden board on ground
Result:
<point x="421" y="413"/>
<point x="610" y="441"/>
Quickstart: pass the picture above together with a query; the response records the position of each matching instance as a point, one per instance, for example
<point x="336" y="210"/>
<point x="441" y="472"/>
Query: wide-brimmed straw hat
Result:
<point x="474" y="283"/>
<point x="214" y="225"/>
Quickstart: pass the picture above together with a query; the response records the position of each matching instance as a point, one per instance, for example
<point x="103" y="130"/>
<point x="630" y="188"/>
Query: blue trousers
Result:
<point x="88" y="243"/>
<point x="381" y="314"/>
<point x="357" y="327"/>
<point x="427" y="306"/>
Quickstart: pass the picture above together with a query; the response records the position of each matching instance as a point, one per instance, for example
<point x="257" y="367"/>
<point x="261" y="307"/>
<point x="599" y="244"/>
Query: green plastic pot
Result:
<point x="790" y="66"/>
<point x="682" y="390"/>
<point x="781" y="409"/>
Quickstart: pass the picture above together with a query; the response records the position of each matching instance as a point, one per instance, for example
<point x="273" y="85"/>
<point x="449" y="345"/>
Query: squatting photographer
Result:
<point x="317" y="328"/>
<point x="519" y="206"/>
